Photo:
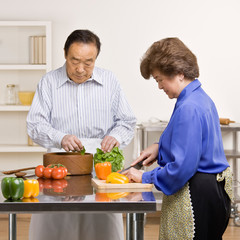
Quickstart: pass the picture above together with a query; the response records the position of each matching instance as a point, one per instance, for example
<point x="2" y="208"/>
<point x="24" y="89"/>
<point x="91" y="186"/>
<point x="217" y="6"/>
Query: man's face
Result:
<point x="80" y="61"/>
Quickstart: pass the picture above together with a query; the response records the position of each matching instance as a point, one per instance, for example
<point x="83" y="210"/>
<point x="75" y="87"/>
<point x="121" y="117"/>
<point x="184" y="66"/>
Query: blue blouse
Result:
<point x="192" y="142"/>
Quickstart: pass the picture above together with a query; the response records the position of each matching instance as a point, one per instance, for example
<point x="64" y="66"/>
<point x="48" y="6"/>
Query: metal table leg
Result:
<point x="138" y="226"/>
<point x="12" y="226"/>
<point x="129" y="226"/>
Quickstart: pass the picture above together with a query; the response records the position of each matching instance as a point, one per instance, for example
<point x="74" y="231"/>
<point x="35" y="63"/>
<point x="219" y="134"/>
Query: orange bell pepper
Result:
<point x="116" y="177"/>
<point x="102" y="197"/>
<point x="103" y="170"/>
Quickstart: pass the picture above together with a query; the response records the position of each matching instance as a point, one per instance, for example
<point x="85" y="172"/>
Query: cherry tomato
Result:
<point x="47" y="184"/>
<point x="41" y="184"/>
<point x="39" y="171"/>
<point x="58" y="173"/>
<point x="58" y="185"/>
<point x="64" y="170"/>
<point x="47" y="173"/>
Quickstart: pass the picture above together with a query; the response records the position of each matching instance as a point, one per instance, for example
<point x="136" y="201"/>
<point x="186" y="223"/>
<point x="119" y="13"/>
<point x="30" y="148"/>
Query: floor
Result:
<point x="150" y="232"/>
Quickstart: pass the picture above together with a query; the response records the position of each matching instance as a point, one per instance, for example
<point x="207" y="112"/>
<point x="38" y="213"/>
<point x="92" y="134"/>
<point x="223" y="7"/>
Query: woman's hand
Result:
<point x="71" y="143"/>
<point x="149" y="154"/>
<point x="134" y="175"/>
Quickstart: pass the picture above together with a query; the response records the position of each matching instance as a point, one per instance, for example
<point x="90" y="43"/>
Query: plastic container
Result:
<point x="10" y="94"/>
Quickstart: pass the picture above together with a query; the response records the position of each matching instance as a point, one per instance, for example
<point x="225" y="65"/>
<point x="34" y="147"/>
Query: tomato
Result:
<point x="64" y="170"/>
<point x="58" y="173"/>
<point x="39" y="171"/>
<point x="47" y="184"/>
<point x="41" y="184"/>
<point x="58" y="185"/>
<point x="47" y="173"/>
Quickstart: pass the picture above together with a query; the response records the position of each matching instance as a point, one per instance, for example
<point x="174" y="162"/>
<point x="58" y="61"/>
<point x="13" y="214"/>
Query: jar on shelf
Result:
<point x="10" y="94"/>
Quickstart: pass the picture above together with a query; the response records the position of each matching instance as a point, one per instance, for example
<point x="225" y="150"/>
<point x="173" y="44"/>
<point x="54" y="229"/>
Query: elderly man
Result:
<point x="79" y="105"/>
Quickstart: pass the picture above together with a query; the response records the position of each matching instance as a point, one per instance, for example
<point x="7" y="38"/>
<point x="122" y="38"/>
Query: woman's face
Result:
<point x="172" y="86"/>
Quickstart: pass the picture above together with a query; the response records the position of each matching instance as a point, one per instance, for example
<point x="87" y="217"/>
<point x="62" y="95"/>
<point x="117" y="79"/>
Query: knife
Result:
<point x="137" y="166"/>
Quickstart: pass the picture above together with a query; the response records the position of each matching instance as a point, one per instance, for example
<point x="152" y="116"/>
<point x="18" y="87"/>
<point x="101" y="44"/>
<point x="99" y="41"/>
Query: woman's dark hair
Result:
<point x="82" y="36"/>
<point x="170" y="56"/>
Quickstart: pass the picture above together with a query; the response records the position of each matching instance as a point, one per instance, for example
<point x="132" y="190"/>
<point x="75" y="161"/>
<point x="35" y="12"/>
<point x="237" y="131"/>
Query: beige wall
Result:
<point x="128" y="28"/>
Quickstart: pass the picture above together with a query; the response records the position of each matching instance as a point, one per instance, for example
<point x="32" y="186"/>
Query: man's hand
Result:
<point x="108" y="143"/>
<point x="71" y="143"/>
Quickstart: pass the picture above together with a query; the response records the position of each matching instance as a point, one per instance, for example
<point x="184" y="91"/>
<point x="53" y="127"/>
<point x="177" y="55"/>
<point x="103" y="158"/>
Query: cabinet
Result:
<point x="15" y="68"/>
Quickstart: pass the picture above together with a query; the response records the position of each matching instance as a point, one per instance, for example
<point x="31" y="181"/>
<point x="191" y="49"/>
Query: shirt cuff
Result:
<point x="58" y="139"/>
<point x="117" y="137"/>
<point x="147" y="177"/>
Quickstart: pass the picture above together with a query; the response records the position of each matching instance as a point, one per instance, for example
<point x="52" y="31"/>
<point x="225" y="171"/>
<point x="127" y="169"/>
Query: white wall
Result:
<point x="128" y="27"/>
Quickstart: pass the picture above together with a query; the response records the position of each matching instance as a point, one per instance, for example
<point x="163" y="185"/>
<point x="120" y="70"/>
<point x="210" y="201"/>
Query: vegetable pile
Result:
<point x="115" y="157"/>
<point x="55" y="171"/>
<point x="15" y="188"/>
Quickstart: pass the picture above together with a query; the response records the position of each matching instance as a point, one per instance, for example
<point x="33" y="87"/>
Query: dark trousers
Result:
<point x="211" y="206"/>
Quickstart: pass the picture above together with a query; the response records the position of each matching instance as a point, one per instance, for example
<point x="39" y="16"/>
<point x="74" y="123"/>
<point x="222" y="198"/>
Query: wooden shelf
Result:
<point x="14" y="108"/>
<point x="23" y="66"/>
<point x="11" y="148"/>
<point x="232" y="154"/>
<point x="15" y="68"/>
<point x="24" y="23"/>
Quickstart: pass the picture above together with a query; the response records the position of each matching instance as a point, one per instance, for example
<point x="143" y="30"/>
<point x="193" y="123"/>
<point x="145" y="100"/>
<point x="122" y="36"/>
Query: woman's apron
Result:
<point x="177" y="215"/>
<point x="75" y="226"/>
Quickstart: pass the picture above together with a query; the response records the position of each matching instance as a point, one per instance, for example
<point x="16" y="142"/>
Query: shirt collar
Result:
<point x="96" y="77"/>
<point x="188" y="90"/>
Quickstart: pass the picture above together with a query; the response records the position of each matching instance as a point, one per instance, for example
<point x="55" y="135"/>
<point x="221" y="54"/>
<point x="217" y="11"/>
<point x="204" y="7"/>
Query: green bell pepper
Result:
<point x="12" y="188"/>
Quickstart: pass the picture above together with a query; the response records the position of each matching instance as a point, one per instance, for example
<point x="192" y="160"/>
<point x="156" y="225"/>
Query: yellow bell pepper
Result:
<point x="31" y="188"/>
<point x="30" y="200"/>
<point x="117" y="195"/>
<point x="116" y="177"/>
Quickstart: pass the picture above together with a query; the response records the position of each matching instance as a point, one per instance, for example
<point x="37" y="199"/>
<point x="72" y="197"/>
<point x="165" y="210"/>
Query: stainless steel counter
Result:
<point x="76" y="194"/>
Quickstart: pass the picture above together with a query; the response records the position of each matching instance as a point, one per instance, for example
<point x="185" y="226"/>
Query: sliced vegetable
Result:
<point x="12" y="188"/>
<point x="117" y="178"/>
<point x="115" y="157"/>
<point x="103" y="170"/>
<point x="31" y="188"/>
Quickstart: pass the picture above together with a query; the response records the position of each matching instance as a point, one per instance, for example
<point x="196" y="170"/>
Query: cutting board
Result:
<point x="102" y="185"/>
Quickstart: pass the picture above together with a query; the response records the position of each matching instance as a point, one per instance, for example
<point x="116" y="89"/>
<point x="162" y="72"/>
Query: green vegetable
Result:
<point x="115" y="157"/>
<point x="82" y="152"/>
<point x="12" y="188"/>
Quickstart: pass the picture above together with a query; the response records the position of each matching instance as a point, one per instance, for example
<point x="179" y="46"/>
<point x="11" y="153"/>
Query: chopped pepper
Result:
<point x="116" y="177"/>
<point x="12" y="188"/>
<point x="103" y="170"/>
<point x="31" y="188"/>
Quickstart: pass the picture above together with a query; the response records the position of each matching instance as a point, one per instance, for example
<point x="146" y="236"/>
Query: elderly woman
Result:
<point x="193" y="172"/>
